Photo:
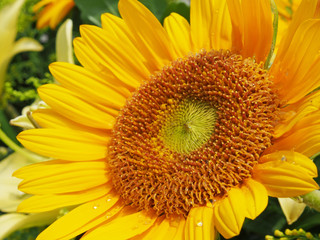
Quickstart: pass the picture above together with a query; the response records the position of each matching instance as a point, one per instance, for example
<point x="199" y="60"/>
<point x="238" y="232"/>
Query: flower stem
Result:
<point x="312" y="199"/>
<point x="274" y="9"/>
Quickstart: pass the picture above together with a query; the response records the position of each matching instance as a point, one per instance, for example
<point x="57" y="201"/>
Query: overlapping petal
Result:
<point x="210" y="25"/>
<point x="135" y="223"/>
<point x="82" y="218"/>
<point x="200" y="224"/>
<point x="286" y="174"/>
<point x="65" y="143"/>
<point x="229" y="213"/>
<point x="256" y="198"/>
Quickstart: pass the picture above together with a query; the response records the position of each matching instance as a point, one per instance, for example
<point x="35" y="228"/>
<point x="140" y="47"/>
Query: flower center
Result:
<point x="192" y="132"/>
<point x="188" y="127"/>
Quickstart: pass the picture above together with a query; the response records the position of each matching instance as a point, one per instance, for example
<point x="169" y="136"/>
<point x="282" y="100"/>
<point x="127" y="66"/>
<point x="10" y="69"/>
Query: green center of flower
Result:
<point x="193" y="131"/>
<point x="189" y="126"/>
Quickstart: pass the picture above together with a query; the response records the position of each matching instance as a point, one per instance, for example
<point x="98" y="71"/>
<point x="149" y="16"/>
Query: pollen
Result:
<point x="193" y="131"/>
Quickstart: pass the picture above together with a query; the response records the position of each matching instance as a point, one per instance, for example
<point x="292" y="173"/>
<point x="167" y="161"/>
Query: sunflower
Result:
<point x="176" y="131"/>
<point x="51" y="12"/>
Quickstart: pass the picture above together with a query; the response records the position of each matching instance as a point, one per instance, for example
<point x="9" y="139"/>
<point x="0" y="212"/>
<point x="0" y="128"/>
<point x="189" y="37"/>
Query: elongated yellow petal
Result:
<point x="55" y="167"/>
<point x="163" y="228"/>
<point x="305" y="141"/>
<point x="284" y="180"/>
<point x="53" y="180"/>
<point x="200" y="224"/>
<point x="113" y="52"/>
<point x="297" y="72"/>
<point x="48" y="118"/>
<point x="84" y="57"/>
<point x="134" y="223"/>
<point x="297" y="112"/>
<point x="306" y="10"/>
<point x="72" y="107"/>
<point x="229" y="213"/>
<point x="82" y="218"/>
<point x="178" y="30"/>
<point x="151" y="38"/>
<point x="42" y="203"/>
<point x="65" y="144"/>
<point x="294" y="158"/>
<point x="210" y="25"/>
<point x="256" y="198"/>
<point x="103" y="91"/>
<point x="251" y="30"/>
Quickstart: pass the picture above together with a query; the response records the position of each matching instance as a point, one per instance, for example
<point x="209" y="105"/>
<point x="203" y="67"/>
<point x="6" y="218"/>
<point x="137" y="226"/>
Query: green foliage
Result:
<point x="92" y="10"/>
<point x="26" y="234"/>
<point x="28" y="70"/>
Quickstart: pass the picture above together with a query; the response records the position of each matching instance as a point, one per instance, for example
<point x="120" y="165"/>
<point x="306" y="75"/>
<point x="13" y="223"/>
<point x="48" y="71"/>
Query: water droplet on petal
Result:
<point x="283" y="158"/>
<point x="199" y="224"/>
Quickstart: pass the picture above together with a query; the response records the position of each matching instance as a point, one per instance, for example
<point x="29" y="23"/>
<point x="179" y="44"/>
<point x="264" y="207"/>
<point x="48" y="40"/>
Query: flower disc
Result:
<point x="192" y="132"/>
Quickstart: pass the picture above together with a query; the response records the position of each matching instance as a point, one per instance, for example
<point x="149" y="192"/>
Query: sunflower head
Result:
<point x="177" y="130"/>
<point x="206" y="115"/>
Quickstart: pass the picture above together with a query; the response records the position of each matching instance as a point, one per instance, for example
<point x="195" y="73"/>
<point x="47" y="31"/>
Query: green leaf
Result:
<point x="177" y="7"/>
<point x="157" y="7"/>
<point x="91" y="10"/>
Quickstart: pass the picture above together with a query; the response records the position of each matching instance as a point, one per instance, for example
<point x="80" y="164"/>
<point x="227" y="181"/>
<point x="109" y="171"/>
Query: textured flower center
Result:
<point x="192" y="132"/>
<point x="188" y="127"/>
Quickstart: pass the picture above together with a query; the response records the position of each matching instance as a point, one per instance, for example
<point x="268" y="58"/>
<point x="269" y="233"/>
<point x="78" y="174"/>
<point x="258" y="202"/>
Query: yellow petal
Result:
<point x="178" y="30"/>
<point x="135" y="223"/>
<point x="47" y="118"/>
<point x="312" y="119"/>
<point x="291" y="209"/>
<point x="61" y="177"/>
<point x="252" y="30"/>
<point x="284" y="179"/>
<point x="77" y="79"/>
<point x="71" y="106"/>
<point x="229" y="213"/>
<point x="210" y="25"/>
<point x="84" y="57"/>
<point x="53" y="12"/>
<point x="305" y="141"/>
<point x="42" y="203"/>
<point x="256" y="198"/>
<point x="200" y="224"/>
<point x="65" y="144"/>
<point x="55" y="167"/>
<point x="112" y="53"/>
<point x="164" y="228"/>
<point x="82" y="218"/>
<point x="151" y="38"/>
<point x="60" y="10"/>
<point x="306" y="10"/>
<point x="297" y="72"/>
<point x="294" y="158"/>
<point x="297" y="112"/>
